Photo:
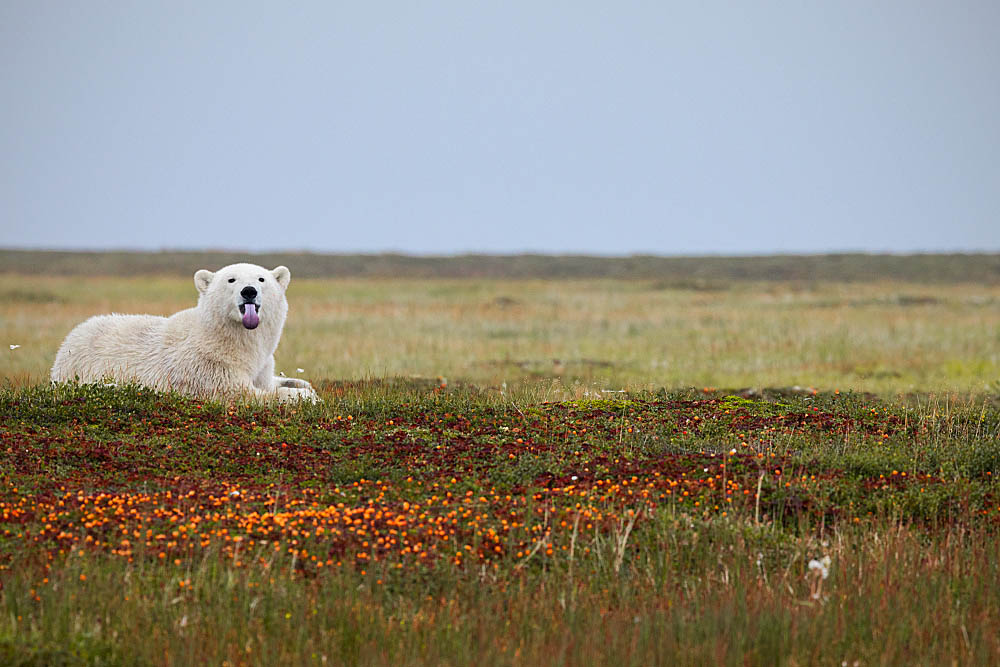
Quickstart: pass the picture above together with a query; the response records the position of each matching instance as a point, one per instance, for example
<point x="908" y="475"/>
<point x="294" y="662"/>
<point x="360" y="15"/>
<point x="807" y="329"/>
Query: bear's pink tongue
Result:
<point x="250" y="318"/>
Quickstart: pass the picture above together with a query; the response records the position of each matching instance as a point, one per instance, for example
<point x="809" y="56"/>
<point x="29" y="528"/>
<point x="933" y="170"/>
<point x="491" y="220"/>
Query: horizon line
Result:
<point x="510" y="253"/>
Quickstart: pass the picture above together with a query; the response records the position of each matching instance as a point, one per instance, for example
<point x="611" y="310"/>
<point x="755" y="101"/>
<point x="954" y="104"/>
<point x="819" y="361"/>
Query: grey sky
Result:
<point x="654" y="127"/>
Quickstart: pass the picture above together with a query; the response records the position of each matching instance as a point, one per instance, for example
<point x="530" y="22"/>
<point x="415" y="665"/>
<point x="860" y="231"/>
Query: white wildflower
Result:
<point x="14" y="347"/>
<point x="300" y="370"/>
<point x="822" y="566"/>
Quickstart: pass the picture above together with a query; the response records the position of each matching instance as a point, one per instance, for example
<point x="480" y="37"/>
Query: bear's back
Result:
<point x="122" y="347"/>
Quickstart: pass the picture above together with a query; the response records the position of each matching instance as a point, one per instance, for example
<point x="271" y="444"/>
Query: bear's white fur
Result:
<point x="215" y="349"/>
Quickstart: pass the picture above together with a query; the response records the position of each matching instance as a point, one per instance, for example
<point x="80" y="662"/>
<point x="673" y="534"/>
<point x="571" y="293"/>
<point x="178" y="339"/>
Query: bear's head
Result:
<point x="244" y="293"/>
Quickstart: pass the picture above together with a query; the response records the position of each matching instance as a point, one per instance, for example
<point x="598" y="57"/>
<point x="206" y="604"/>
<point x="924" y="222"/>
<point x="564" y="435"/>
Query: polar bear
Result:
<point x="224" y="346"/>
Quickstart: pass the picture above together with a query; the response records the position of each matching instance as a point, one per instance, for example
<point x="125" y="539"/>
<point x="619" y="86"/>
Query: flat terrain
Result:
<point x="678" y="271"/>
<point x="574" y="335"/>
<point x="505" y="470"/>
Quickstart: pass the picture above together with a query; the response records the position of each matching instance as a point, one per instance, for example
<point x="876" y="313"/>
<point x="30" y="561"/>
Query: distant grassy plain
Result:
<point x="580" y="334"/>
<point x="774" y="461"/>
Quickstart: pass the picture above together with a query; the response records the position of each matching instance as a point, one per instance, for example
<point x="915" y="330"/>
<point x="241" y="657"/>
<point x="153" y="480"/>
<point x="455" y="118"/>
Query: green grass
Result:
<point x="658" y="551"/>
<point x="692" y="596"/>
<point x="509" y="470"/>
<point x="581" y="337"/>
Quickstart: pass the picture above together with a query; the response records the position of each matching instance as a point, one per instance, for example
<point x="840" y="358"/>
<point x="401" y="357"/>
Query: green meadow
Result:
<point x="564" y="461"/>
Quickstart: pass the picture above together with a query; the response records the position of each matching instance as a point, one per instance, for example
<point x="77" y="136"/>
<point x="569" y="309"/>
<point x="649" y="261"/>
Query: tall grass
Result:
<point x="907" y="523"/>
<point x="579" y="337"/>
<point x="716" y="593"/>
<point x="434" y="388"/>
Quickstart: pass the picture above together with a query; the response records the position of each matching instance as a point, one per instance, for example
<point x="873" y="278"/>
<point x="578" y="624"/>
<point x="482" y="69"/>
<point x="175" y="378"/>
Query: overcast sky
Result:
<point x="601" y="127"/>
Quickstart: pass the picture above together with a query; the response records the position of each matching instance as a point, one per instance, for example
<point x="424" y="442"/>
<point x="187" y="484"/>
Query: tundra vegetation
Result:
<point x="626" y="470"/>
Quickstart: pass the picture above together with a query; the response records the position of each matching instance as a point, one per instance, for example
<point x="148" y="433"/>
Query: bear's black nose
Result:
<point x="248" y="293"/>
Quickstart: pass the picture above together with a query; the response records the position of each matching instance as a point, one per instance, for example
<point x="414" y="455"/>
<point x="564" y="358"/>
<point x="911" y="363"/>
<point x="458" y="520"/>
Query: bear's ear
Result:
<point x="282" y="275"/>
<point x="202" y="279"/>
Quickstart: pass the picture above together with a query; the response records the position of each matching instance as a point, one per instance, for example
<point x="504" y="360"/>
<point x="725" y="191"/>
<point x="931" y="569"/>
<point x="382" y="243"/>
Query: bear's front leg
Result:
<point x="291" y="382"/>
<point x="295" y="394"/>
<point x="265" y="378"/>
<point x="284" y="389"/>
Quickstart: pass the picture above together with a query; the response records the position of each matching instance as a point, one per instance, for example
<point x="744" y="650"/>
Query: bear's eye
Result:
<point x="261" y="279"/>
<point x="232" y="280"/>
